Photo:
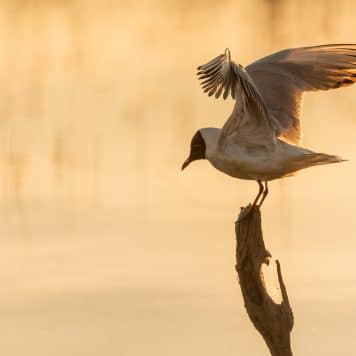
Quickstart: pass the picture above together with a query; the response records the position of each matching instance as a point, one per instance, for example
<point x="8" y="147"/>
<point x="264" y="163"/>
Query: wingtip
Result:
<point x="339" y="159"/>
<point x="228" y="54"/>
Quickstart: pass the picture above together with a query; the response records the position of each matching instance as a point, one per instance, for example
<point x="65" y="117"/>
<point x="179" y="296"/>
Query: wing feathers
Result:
<point x="273" y="85"/>
<point x="282" y="77"/>
<point x="220" y="77"/>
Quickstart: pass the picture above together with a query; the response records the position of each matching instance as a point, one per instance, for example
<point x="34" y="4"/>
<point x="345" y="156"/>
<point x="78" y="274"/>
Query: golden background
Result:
<point x="106" y="247"/>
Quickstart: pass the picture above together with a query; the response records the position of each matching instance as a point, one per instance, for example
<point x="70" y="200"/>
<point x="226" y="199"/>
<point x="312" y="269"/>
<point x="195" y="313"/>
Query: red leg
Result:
<point x="265" y="193"/>
<point x="260" y="192"/>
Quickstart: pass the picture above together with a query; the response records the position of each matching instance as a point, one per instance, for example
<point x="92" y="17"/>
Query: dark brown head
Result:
<point x="197" y="149"/>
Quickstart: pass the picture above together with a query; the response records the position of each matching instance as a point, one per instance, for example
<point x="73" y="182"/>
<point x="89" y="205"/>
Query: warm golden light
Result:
<point x="102" y="234"/>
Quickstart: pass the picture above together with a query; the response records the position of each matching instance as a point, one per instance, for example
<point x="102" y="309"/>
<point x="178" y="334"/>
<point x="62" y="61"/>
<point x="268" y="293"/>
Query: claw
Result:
<point x="245" y="212"/>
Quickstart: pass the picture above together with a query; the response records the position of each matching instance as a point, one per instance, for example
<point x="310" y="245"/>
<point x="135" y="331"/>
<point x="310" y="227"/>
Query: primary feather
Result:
<point x="223" y="77"/>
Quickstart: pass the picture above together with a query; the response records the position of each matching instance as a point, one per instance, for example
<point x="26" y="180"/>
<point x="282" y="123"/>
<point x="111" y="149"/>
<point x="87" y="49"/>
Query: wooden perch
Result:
<point x="273" y="321"/>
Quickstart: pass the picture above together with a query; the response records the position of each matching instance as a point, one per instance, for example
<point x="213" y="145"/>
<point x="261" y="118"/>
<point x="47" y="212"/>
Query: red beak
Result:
<point x="186" y="163"/>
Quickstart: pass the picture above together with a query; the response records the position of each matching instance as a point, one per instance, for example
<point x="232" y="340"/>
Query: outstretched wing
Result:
<point x="222" y="77"/>
<point x="282" y="77"/>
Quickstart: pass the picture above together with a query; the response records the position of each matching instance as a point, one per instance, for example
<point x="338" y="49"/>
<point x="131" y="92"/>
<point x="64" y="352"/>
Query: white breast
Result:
<point x="257" y="162"/>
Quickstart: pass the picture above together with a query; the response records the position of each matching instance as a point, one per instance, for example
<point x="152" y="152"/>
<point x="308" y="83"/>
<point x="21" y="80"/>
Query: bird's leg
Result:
<point x="248" y="210"/>
<point x="265" y="193"/>
<point x="260" y="192"/>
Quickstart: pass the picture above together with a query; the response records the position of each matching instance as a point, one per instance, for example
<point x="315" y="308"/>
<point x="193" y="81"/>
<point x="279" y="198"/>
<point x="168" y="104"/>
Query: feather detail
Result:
<point x="222" y="77"/>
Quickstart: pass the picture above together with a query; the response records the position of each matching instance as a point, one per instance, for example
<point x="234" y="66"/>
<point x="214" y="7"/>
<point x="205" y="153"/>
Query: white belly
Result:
<point x="261" y="164"/>
<point x="249" y="169"/>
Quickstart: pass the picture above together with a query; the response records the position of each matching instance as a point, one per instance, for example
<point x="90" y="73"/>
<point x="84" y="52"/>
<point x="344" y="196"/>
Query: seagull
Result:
<point x="260" y="139"/>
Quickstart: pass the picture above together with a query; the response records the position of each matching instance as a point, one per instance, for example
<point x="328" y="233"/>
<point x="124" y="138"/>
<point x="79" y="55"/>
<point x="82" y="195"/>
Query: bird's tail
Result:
<point x="311" y="159"/>
<point x="315" y="159"/>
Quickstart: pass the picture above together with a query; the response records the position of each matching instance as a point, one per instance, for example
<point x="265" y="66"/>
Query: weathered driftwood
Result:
<point x="273" y="321"/>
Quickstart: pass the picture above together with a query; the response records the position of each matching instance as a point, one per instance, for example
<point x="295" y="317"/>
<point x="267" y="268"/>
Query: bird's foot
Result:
<point x="246" y="211"/>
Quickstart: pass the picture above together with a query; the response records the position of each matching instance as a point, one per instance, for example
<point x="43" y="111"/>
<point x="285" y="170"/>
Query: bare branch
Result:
<point x="273" y="321"/>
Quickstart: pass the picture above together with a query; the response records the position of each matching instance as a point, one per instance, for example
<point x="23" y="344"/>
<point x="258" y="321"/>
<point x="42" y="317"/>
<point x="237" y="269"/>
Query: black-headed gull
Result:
<point x="259" y="140"/>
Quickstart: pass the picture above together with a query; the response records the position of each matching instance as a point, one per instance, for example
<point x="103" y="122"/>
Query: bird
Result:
<point x="261" y="138"/>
